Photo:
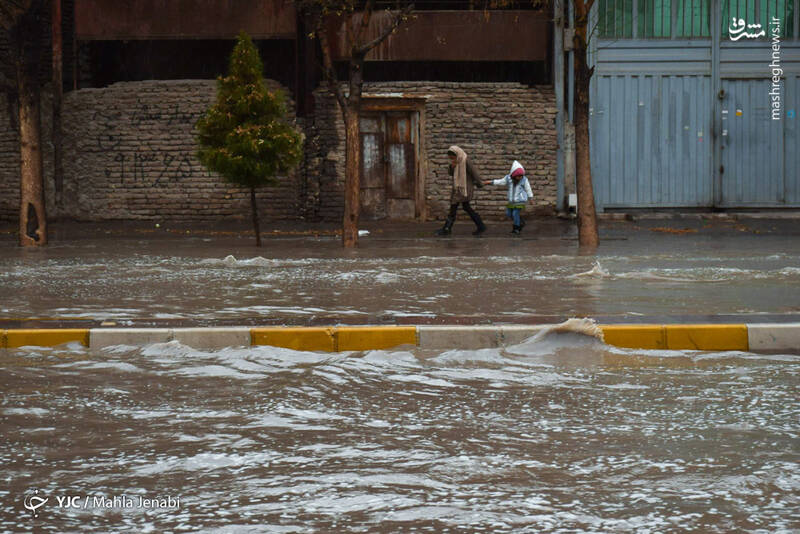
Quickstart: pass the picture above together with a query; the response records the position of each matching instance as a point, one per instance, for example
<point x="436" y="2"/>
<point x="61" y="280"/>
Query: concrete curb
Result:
<point x="756" y="337"/>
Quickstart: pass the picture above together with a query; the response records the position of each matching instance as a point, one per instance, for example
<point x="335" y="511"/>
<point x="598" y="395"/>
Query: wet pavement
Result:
<point x="692" y="269"/>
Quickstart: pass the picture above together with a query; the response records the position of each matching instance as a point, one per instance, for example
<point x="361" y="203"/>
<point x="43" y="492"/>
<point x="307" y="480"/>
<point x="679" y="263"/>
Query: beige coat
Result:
<point x="472" y="178"/>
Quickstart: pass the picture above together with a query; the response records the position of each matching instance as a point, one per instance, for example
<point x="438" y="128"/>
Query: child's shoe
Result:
<point x="516" y="230"/>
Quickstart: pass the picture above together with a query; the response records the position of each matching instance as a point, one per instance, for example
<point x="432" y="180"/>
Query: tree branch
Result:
<point x="398" y="18"/>
<point x="366" y="15"/>
<point x="327" y="63"/>
<point x="348" y="31"/>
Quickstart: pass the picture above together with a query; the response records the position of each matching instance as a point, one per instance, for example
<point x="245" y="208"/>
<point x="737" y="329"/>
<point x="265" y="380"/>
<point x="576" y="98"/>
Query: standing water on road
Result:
<point x="559" y="434"/>
<point x="309" y="280"/>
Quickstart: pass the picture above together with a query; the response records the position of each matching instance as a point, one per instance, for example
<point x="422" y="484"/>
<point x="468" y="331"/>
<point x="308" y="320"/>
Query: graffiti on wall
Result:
<point x="150" y="145"/>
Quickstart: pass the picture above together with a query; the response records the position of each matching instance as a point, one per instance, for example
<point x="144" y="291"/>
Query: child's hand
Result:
<point x="487" y="182"/>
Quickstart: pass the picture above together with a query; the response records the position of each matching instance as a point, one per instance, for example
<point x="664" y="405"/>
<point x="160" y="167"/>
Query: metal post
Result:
<point x="558" y="75"/>
<point x="716" y="105"/>
<point x="796" y="19"/>
<point x="571" y="62"/>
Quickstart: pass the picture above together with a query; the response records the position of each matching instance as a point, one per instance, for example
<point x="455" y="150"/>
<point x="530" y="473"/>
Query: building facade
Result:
<point x="694" y="104"/>
<point x="139" y="74"/>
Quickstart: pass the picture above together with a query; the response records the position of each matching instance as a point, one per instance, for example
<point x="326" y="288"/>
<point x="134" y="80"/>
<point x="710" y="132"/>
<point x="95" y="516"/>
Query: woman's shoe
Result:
<point x="446" y="229"/>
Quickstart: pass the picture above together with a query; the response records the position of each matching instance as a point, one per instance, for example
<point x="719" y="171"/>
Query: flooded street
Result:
<point x="561" y="434"/>
<point x="405" y="278"/>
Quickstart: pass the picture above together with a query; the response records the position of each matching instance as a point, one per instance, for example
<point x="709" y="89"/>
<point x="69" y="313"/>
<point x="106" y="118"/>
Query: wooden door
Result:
<point x="388" y="165"/>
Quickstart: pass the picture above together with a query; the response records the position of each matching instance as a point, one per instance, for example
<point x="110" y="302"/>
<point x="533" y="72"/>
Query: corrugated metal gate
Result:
<point x="681" y="112"/>
<point x="752" y="147"/>
<point x="650" y="142"/>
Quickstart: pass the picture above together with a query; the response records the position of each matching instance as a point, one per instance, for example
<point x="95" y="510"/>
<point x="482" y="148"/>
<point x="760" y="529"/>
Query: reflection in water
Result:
<point x="558" y="434"/>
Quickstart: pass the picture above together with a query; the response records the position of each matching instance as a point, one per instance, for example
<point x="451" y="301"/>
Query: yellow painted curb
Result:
<point x="636" y="336"/>
<point x="298" y="338"/>
<point x="707" y="337"/>
<point x="374" y="337"/>
<point x="715" y="337"/>
<point x="45" y="337"/>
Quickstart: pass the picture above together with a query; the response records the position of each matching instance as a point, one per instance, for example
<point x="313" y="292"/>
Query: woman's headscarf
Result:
<point x="460" y="171"/>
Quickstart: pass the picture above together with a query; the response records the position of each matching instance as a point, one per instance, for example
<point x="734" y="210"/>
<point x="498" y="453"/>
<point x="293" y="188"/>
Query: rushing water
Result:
<point x="560" y="434"/>
<point x="314" y="280"/>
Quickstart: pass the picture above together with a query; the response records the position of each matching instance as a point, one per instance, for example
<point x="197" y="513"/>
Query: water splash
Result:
<point x="573" y="333"/>
<point x="597" y="271"/>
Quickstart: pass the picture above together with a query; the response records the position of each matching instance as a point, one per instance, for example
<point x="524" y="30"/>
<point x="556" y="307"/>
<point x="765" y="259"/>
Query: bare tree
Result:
<point x="587" y="214"/>
<point x="23" y="22"/>
<point x="358" y="42"/>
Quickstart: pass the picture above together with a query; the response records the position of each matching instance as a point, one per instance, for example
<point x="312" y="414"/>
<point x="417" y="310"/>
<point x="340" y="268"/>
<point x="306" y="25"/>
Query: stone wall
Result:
<point x="9" y="161"/>
<point x="495" y="123"/>
<point x="129" y="153"/>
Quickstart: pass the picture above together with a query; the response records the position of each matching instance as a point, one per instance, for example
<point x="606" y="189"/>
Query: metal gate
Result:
<point x="682" y="104"/>
<point x="752" y="145"/>
<point x="650" y="141"/>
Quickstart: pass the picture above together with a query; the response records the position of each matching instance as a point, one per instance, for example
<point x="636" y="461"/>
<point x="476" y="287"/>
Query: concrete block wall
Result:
<point x="495" y="123"/>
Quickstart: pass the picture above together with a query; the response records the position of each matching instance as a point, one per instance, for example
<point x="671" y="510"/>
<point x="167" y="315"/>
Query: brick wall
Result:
<point x="9" y="162"/>
<point x="129" y="153"/>
<point x="495" y="123"/>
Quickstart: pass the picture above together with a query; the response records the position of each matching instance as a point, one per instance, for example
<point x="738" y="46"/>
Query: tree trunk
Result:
<point x="352" y="176"/>
<point x="58" y="167"/>
<point x="352" y="179"/>
<point x="587" y="215"/>
<point x="32" y="217"/>
<point x="254" y="208"/>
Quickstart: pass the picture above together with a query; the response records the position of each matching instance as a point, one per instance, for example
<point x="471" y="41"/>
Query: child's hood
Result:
<point x="516" y="169"/>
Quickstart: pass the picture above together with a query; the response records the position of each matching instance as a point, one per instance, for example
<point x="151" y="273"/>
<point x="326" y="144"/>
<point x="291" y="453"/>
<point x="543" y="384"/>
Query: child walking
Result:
<point x="519" y="192"/>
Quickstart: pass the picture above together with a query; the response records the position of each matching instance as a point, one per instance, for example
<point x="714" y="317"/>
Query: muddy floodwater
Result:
<point x="313" y="280"/>
<point x="560" y="434"/>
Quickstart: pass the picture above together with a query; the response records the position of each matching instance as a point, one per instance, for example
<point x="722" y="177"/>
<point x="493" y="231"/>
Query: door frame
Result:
<point x="384" y="103"/>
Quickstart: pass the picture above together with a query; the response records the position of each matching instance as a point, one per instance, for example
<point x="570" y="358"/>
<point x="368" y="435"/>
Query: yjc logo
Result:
<point x="33" y="502"/>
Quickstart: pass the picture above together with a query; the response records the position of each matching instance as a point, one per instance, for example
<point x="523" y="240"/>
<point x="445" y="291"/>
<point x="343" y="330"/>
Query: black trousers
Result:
<point x="471" y="212"/>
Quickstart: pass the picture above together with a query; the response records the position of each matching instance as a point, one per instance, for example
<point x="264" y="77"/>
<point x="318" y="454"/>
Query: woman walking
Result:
<point x="465" y="177"/>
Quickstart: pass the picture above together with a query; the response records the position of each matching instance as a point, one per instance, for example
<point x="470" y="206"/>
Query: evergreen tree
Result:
<point x="245" y="136"/>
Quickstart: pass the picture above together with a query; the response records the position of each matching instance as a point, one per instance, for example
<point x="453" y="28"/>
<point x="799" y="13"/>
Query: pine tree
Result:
<point x="245" y="136"/>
